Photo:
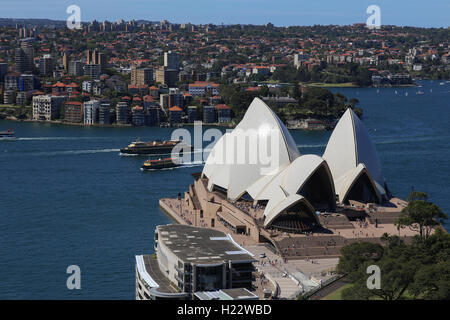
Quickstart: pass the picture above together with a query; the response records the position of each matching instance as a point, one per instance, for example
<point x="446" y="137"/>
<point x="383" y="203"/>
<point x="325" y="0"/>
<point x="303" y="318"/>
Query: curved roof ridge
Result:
<point x="259" y="122"/>
<point x="349" y="145"/>
<point x="287" y="137"/>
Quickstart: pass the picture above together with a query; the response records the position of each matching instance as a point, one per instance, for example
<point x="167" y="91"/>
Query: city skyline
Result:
<point x="281" y="13"/>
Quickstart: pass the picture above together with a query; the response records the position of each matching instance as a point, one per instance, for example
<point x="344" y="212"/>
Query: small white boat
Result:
<point x="7" y="135"/>
<point x="420" y="92"/>
<point x="442" y="83"/>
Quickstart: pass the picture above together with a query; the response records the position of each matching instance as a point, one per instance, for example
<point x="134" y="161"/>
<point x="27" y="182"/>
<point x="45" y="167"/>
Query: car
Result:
<point x="262" y="255"/>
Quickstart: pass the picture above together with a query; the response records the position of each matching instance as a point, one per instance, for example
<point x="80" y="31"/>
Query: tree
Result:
<point x="356" y="254"/>
<point x="420" y="215"/>
<point x="419" y="270"/>
<point x="396" y="277"/>
<point x="432" y="282"/>
<point x="353" y="102"/>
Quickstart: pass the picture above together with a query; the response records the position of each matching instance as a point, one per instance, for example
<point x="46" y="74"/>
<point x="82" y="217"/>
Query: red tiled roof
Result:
<point x="222" y="106"/>
<point x="59" y="85"/>
<point x="74" y="103"/>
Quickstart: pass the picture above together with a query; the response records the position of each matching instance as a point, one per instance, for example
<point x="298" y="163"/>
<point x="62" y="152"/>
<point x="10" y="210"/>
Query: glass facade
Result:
<point x="209" y="278"/>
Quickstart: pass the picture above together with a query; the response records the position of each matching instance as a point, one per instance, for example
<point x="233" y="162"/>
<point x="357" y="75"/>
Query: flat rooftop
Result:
<point x="201" y="245"/>
<point x="152" y="268"/>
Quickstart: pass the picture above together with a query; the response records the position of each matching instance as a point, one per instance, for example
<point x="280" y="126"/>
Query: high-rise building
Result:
<point x="171" y="60"/>
<point x="122" y="113"/>
<point x="46" y="65"/>
<point x="24" y="57"/>
<point x="175" y="98"/>
<point x="95" y="57"/>
<point x="104" y="113"/>
<point x="75" y="68"/>
<point x="3" y="71"/>
<point x="141" y="76"/>
<point x="28" y="82"/>
<point x="92" y="70"/>
<point x="166" y="76"/>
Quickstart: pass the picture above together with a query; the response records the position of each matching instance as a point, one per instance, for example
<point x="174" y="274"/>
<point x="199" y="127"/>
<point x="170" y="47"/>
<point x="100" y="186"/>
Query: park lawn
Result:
<point x="336" y="295"/>
<point x="8" y="106"/>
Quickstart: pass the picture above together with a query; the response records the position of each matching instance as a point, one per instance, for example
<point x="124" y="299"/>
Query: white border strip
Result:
<point x="237" y="245"/>
<point x="143" y="272"/>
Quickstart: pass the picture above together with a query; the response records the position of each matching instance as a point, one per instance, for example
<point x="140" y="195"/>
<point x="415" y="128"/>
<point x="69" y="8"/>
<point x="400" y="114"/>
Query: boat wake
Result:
<point x="311" y="145"/>
<point x="159" y="154"/>
<point x="192" y="164"/>
<point x="58" y="138"/>
<point x="75" y="152"/>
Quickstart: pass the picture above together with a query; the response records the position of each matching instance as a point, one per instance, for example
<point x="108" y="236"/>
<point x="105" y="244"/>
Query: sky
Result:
<point x="420" y="13"/>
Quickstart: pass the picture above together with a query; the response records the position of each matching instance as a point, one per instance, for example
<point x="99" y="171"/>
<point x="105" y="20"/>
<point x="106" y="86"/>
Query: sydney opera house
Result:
<point x="257" y="186"/>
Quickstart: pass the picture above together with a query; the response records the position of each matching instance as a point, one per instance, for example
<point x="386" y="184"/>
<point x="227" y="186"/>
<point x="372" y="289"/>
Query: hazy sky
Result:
<point x="424" y="13"/>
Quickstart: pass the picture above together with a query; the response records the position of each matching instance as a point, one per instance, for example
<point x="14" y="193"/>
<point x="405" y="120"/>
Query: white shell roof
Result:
<point x="349" y="146"/>
<point x="290" y="180"/>
<point x="234" y="163"/>
<point x="346" y="181"/>
<point x="285" y="204"/>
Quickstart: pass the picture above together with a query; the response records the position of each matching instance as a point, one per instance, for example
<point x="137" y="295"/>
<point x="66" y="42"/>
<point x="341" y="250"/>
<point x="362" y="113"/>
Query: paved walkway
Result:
<point x="292" y="276"/>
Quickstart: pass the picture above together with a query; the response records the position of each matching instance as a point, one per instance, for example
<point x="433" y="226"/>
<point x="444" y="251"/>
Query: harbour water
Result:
<point x="68" y="198"/>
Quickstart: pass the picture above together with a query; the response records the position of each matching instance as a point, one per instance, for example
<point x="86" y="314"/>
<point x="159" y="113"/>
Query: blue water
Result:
<point x="68" y="198"/>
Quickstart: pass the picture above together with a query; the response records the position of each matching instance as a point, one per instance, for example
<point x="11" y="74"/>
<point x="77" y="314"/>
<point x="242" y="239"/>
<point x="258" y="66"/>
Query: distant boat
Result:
<point x="395" y="91"/>
<point x="406" y="94"/>
<point x="160" y="164"/>
<point x="7" y="135"/>
<point x="442" y="83"/>
<point x="420" y="92"/>
<point x="154" y="147"/>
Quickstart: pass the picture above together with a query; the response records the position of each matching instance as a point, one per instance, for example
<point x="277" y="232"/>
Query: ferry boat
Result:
<point x="7" y="135"/>
<point x="154" y="147"/>
<point x="160" y="164"/>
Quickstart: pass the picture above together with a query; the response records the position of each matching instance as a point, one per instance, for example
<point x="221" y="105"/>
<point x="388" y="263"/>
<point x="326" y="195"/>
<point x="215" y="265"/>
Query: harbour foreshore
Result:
<point x="166" y="207"/>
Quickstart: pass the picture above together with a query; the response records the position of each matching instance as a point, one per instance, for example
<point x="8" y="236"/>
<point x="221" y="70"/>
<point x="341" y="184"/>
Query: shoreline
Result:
<point x="121" y="126"/>
<point x="169" y="212"/>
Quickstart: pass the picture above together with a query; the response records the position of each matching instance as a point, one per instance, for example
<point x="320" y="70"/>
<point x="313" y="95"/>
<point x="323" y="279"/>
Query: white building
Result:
<point x="47" y="107"/>
<point x="200" y="88"/>
<point x="259" y="160"/>
<point x="91" y="111"/>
